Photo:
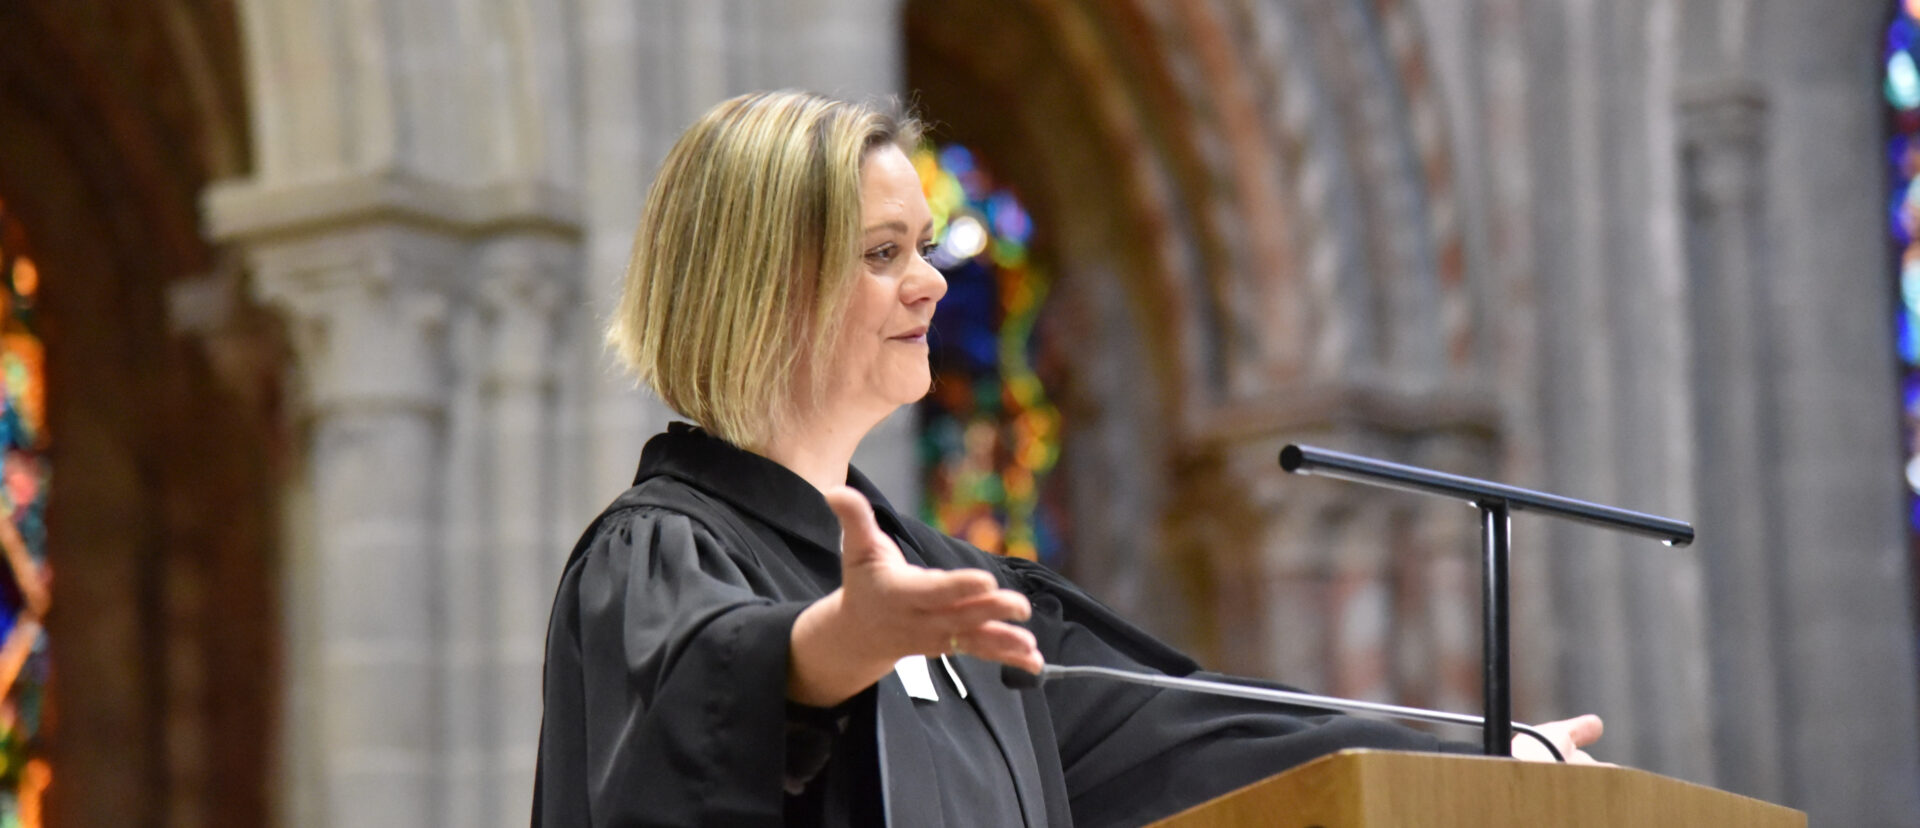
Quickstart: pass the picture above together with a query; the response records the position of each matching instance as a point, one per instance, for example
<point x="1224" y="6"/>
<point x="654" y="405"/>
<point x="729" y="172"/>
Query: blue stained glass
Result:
<point x="981" y="347"/>
<point x="965" y="317"/>
<point x="956" y="159"/>
<point x="1904" y="338"/>
<point x="1895" y="225"/>
<point x="1010" y="221"/>
<point x="1900" y="36"/>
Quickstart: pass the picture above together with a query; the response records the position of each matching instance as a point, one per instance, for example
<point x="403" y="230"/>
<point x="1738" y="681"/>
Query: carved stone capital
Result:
<point x="1722" y="112"/>
<point x="524" y="283"/>
<point x="371" y="266"/>
<point x="1723" y="123"/>
<point x="367" y="311"/>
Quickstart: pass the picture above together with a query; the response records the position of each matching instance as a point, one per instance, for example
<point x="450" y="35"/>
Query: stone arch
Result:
<point x="1232" y="243"/>
<point x="163" y="402"/>
<point x="1203" y="119"/>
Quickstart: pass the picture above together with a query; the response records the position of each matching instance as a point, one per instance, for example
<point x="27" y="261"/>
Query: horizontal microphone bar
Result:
<point x="1019" y="679"/>
<point x="1309" y="460"/>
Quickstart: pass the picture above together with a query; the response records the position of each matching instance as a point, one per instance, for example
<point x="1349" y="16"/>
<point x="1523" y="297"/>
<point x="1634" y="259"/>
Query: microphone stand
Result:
<point x="1496" y="502"/>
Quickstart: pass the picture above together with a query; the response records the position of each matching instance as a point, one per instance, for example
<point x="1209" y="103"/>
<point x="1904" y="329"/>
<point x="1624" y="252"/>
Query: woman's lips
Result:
<point x="917" y="336"/>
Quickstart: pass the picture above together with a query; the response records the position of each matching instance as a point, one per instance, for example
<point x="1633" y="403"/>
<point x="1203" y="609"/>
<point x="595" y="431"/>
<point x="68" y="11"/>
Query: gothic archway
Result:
<point x="1249" y="209"/>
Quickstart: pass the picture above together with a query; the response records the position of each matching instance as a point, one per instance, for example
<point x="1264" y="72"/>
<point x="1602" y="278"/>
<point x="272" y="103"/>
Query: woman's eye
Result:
<point x="882" y="254"/>
<point x="926" y="250"/>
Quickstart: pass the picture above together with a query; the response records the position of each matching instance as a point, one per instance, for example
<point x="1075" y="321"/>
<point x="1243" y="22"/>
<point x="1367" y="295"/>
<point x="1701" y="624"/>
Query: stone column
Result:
<point x="1851" y="743"/>
<point x="409" y="158"/>
<point x="421" y="565"/>
<point x="367" y="307"/>
<point x="521" y="291"/>
<point x="1723" y="123"/>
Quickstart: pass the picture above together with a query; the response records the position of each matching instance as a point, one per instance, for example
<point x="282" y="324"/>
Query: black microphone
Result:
<point x="1019" y="679"/>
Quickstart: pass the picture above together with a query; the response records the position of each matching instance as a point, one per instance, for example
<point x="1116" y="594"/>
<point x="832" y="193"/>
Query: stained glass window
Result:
<point x="988" y="433"/>
<point x="24" y="577"/>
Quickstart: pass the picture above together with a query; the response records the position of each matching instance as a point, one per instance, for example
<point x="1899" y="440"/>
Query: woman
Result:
<point x="751" y="635"/>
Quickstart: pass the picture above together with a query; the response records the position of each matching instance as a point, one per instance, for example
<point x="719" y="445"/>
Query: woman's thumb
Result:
<point x="860" y="537"/>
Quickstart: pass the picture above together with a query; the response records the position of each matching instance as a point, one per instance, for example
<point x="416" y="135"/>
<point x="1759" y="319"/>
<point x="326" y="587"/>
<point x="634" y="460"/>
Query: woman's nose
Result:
<point x="923" y="282"/>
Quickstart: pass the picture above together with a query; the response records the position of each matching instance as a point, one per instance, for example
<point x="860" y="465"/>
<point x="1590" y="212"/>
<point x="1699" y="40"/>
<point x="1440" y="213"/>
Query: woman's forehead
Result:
<point x="890" y="192"/>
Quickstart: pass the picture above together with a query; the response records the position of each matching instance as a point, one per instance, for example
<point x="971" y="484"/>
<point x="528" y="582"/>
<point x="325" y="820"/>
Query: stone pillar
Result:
<point x="411" y="158"/>
<point x="1614" y="402"/>
<point x="522" y="288"/>
<point x="367" y="308"/>
<point x="1723" y="123"/>
<point x="421" y="565"/>
<point x="1851" y="741"/>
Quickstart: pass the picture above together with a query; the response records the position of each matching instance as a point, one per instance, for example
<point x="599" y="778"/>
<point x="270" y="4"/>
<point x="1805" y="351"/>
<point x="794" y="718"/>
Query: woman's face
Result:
<point x="880" y="357"/>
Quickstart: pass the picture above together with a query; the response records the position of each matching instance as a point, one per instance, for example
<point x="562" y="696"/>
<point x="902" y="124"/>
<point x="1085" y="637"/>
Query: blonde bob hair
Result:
<point x="745" y="256"/>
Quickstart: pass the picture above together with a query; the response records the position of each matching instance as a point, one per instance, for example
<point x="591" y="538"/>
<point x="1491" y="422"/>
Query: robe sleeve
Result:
<point x="1132" y="754"/>
<point x="666" y="684"/>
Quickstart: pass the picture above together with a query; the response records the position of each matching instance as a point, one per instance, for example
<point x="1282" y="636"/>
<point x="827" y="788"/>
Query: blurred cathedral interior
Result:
<point x="303" y="398"/>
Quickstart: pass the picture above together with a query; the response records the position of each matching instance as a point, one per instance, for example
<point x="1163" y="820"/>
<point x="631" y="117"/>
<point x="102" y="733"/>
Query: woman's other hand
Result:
<point x="1569" y="735"/>
<point x="887" y="609"/>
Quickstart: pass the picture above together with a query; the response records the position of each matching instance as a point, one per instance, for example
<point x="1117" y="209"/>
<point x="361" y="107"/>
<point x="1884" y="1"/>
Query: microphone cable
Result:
<point x="1019" y="679"/>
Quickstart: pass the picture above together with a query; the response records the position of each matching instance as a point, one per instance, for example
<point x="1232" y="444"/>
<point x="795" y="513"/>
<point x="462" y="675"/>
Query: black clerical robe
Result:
<point x="666" y="677"/>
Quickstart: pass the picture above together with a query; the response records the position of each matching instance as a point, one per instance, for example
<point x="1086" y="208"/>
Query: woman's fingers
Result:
<point x="938" y="589"/>
<point x="1004" y="643"/>
<point x="931" y="611"/>
<point x="957" y="618"/>
<point x="998" y="605"/>
<point x="1585" y="730"/>
<point x="1569" y="735"/>
<point x="1577" y="732"/>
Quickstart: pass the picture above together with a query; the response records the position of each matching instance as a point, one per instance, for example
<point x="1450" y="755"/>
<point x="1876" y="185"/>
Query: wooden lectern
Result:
<point x="1373" y="788"/>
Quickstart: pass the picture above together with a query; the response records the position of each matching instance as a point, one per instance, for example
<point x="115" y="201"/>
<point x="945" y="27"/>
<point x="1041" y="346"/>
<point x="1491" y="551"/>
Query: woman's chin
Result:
<point x="916" y="391"/>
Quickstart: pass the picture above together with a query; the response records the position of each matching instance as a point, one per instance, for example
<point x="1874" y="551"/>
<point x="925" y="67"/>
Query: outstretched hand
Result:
<point x="887" y="609"/>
